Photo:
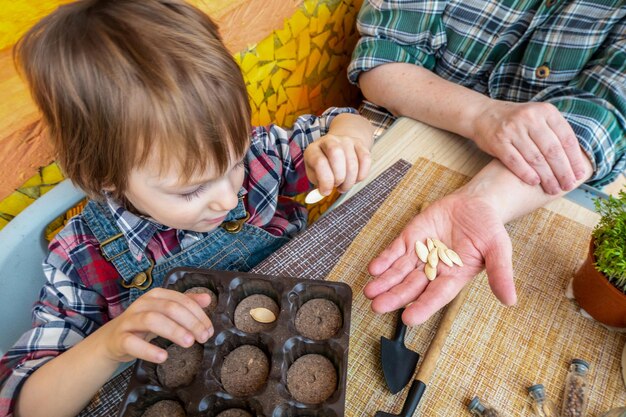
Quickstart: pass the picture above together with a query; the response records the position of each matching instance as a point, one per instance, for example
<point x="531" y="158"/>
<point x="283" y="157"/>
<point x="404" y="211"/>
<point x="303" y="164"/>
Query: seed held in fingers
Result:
<point x="454" y="257"/>
<point x="433" y="258"/>
<point x="313" y="197"/>
<point x="422" y="251"/>
<point x="430" y="271"/>
<point x="429" y="244"/>
<point x="444" y="257"/>
<point x="262" y="315"/>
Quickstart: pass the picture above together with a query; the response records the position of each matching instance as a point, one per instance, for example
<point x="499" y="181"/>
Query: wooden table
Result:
<point x="409" y="140"/>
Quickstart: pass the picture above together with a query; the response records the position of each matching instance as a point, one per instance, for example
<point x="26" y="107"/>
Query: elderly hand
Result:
<point x="534" y="141"/>
<point x="466" y="224"/>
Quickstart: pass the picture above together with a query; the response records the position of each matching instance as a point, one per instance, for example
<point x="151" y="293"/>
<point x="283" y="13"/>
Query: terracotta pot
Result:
<point x="597" y="296"/>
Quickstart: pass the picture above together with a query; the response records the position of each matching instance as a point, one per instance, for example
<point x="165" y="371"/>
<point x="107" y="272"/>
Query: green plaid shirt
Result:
<point x="570" y="53"/>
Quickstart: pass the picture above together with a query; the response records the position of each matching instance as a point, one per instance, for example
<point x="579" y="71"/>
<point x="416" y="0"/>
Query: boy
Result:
<point x="150" y="116"/>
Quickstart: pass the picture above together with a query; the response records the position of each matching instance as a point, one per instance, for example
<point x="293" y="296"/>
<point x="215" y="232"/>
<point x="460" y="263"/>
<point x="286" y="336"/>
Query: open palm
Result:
<point x="468" y="225"/>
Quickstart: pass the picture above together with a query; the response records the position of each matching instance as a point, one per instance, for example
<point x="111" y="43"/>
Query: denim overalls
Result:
<point x="235" y="245"/>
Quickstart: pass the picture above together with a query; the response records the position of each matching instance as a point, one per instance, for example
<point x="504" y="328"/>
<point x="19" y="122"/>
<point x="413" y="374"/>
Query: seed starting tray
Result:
<point x="282" y="344"/>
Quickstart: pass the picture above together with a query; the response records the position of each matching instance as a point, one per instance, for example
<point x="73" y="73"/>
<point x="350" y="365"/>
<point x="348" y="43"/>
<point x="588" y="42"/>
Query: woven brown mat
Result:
<point x="492" y="351"/>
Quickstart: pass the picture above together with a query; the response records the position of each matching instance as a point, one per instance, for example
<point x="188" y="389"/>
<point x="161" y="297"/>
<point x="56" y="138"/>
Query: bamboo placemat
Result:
<point x="492" y="351"/>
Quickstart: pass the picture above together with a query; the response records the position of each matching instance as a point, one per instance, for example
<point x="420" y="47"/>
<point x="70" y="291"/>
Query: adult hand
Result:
<point x="534" y="141"/>
<point x="337" y="161"/>
<point x="161" y="312"/>
<point x="466" y="224"/>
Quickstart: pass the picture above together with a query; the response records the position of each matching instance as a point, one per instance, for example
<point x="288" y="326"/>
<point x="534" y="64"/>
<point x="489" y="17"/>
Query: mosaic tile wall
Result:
<point x="299" y="68"/>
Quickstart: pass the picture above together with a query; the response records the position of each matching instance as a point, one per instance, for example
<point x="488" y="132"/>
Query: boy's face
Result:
<point x="199" y="205"/>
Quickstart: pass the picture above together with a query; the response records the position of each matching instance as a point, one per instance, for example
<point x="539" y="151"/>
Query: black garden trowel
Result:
<point x="397" y="360"/>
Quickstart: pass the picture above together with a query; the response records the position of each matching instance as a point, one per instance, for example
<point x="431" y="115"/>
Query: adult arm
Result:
<point x="532" y="139"/>
<point x="394" y="62"/>
<point x="471" y="221"/>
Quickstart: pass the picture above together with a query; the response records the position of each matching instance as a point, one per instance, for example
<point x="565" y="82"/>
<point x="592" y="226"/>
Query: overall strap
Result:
<point x="114" y="247"/>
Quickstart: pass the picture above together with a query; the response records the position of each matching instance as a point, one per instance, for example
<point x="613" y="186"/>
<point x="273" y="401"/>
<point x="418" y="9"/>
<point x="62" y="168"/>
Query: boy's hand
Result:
<point x="161" y="312"/>
<point x="342" y="157"/>
<point x="337" y="161"/>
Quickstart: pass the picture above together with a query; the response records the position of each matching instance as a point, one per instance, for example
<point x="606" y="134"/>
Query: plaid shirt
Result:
<point x="497" y="47"/>
<point x="70" y="309"/>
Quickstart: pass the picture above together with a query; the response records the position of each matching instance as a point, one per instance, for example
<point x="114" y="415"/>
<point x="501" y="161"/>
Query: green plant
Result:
<point x="610" y="239"/>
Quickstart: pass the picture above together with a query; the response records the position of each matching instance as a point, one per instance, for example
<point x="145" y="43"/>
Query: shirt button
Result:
<point x="550" y="3"/>
<point x="542" y="72"/>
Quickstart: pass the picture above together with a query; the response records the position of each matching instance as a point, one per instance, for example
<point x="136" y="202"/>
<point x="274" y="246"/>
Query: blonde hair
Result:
<point x="118" y="80"/>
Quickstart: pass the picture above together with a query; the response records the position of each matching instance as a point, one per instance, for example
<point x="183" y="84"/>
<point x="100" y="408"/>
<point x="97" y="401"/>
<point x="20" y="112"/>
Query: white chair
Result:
<point x="23" y="248"/>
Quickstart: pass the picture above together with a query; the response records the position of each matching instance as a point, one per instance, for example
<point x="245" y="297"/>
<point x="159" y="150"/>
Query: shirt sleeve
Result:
<point x="59" y="322"/>
<point x="397" y="31"/>
<point x="275" y="162"/>
<point x="594" y="104"/>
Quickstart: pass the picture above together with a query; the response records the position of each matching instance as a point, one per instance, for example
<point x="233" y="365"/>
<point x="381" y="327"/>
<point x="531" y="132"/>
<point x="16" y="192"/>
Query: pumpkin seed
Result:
<point x="429" y="244"/>
<point x="262" y="315"/>
<point x="433" y="258"/>
<point x="454" y="257"/>
<point x="444" y="257"/>
<point x="430" y="271"/>
<point x="439" y="244"/>
<point x="313" y="197"/>
<point x="422" y="251"/>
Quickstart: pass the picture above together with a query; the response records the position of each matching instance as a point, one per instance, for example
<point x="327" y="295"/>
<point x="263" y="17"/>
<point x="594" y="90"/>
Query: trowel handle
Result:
<point x="400" y="327"/>
<point x="429" y="363"/>
<point x="413" y="397"/>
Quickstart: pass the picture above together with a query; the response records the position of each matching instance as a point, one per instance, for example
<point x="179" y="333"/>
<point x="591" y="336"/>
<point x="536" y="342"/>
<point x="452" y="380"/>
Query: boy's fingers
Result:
<point x="352" y="168"/>
<point x="188" y="319"/>
<point x="365" y="162"/>
<point x="171" y="320"/>
<point x="322" y="175"/>
<point x="164" y="326"/>
<point x="188" y="306"/>
<point x="141" y="349"/>
<point x="203" y="300"/>
<point x="336" y="156"/>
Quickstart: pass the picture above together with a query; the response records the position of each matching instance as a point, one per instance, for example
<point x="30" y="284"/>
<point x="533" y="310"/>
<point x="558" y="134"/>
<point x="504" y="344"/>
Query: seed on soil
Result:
<point x="262" y="315"/>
